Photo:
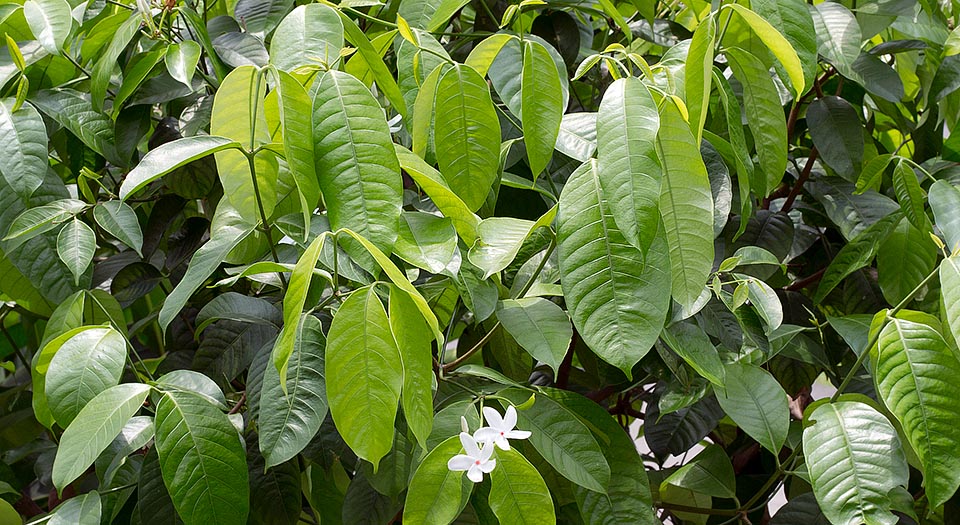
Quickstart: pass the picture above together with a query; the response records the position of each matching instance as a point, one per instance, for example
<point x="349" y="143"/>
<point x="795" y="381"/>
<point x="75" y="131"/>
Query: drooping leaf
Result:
<point x="904" y="259"/>
<point x="237" y="307"/>
<point x="914" y="373"/>
<point x="75" y="246"/>
<point x="837" y="132"/>
<point x="467" y="133"/>
<point x="85" y="365"/>
<point x="778" y="45"/>
<point x="856" y="254"/>
<point x="94" y="428"/>
<point x="23" y="146"/>
<point x="518" y="493"/>
<point x="686" y="206"/>
<point x="73" y="110"/>
<point x="540" y="326"/>
<point x="437" y="494"/>
<point x="950" y="289"/>
<point x="629" y="170"/>
<point x="364" y="371"/>
<point x="757" y="403"/>
<point x="699" y="68"/>
<point x="945" y="203"/>
<point x="855" y="461"/>
<point x="356" y="160"/>
<point x="541" y="91"/>
<point x="426" y="241"/>
<point x="119" y="220"/>
<point x="792" y="18"/>
<point x="107" y="62"/>
<point x="413" y="338"/>
<point x="838" y="35"/>
<point x="170" y="156"/>
<point x="616" y="296"/>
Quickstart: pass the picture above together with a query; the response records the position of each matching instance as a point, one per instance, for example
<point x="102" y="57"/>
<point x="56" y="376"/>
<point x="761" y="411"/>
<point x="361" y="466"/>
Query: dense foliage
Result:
<point x="472" y="261"/>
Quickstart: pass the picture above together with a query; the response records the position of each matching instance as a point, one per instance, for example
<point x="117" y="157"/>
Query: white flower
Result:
<point x="476" y="461"/>
<point x="500" y="429"/>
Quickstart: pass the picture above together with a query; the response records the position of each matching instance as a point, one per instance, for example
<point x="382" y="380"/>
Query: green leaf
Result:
<point x="693" y="345"/>
<point x="945" y="203"/>
<point x="261" y="16"/>
<point x="181" y="61"/>
<point x="518" y="495"/>
<point x="699" y="72"/>
<point x="500" y="241"/>
<point x="629" y="170"/>
<point x="563" y="440"/>
<point x="73" y="110"/>
<point x="238" y="114"/>
<point x="540" y="326"/>
<point x="237" y="307"/>
<point x="194" y="383"/>
<point x="855" y="461"/>
<point x="311" y="35"/>
<point x="686" y="206"/>
<point x="872" y="174"/>
<point x="39" y="219"/>
<point x="838" y="35"/>
<point x="79" y="510"/>
<point x="133" y="76"/>
<point x="837" y="133"/>
<point x="765" y="117"/>
<point x="85" y="365"/>
<point x="911" y="196"/>
<point x="710" y="473"/>
<point x="946" y="80"/>
<point x="107" y="62"/>
<point x="617" y="297"/>
<point x="578" y="135"/>
<point x="119" y="220"/>
<point x="738" y="142"/>
<point x="384" y="78"/>
<point x="413" y="338"/>
<point x="154" y="505"/>
<point x="23" y="146"/>
<point x="851" y="213"/>
<point x="75" y="246"/>
<point x="356" y="160"/>
<point x="202" y="460"/>
<point x="364" y="375"/>
<point x="437" y="494"/>
<point x="226" y="232"/>
<point x="289" y="420"/>
<point x="541" y="91"/>
<point x="915" y="374"/>
<point x="777" y="44"/>
<point x="276" y="495"/>
<point x="793" y="20"/>
<point x="50" y="21"/>
<point x="94" y="428"/>
<point x="426" y="241"/>
<point x="298" y="142"/>
<point x="950" y="289"/>
<point x="170" y="156"/>
<point x="757" y="404"/>
<point x="467" y="135"/>
<point x="855" y="255"/>
<point x="904" y="259"/>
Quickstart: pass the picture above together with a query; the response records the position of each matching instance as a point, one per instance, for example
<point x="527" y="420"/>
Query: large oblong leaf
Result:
<point x="915" y="375"/>
<point x="518" y="494"/>
<point x="23" y="147"/>
<point x="289" y="420"/>
<point x="355" y="159"/>
<point x="85" y="365"/>
<point x="617" y="297"/>
<point x="950" y="289"/>
<point x="686" y="206"/>
<point x="541" y="92"/>
<point x="75" y="246"/>
<point x="629" y="170"/>
<point x="94" y="428"/>
<point x="757" y="403"/>
<point x="776" y="43"/>
<point x="855" y="461"/>
<point x="50" y="21"/>
<point x="838" y="134"/>
<point x="945" y="203"/>
<point x="436" y="494"/>
<point x="74" y="111"/>
<point x="364" y="375"/>
<point x="170" y="156"/>
<point x="413" y="338"/>
<point x="310" y="35"/>
<point x="539" y="326"/>
<point x="202" y="460"/>
<point x="467" y="135"/>
<point x="904" y="260"/>
<point x="119" y="220"/>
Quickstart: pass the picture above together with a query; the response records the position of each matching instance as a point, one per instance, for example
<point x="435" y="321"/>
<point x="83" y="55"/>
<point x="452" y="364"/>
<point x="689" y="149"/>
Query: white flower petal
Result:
<point x="486" y="452"/>
<point x="460" y="462"/>
<point x="486" y="434"/>
<point x="510" y="419"/>
<point x="518" y="434"/>
<point x="488" y="466"/>
<point x="493" y="417"/>
<point x="502" y="442"/>
<point x="469" y="445"/>
<point x="475" y="473"/>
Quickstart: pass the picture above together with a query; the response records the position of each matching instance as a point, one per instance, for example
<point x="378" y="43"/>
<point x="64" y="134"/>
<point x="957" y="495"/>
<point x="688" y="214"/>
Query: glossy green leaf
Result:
<point x="904" y="259"/>
<point x="738" y="142"/>
<point x="289" y="420"/>
<point x="855" y="255"/>
<point x="364" y="375"/>
<point x="872" y="174"/>
<point x="238" y="114"/>
<point x="356" y="160"/>
<point x="694" y="347"/>
<point x="298" y="142"/>
<point x="23" y="146"/>
<point x="710" y="473"/>
<point x="437" y="494"/>
<point x="181" y="61"/>
<point x="80" y="510"/>
<point x="910" y="195"/>
<point x="467" y="135"/>
<point x="74" y="111"/>
<point x="170" y="156"/>
<point x="950" y="289"/>
<point x="518" y="493"/>
<point x="757" y="404"/>
<point x="852" y="213"/>
<point x="413" y="338"/>
<point x="154" y="505"/>
<point x="855" y="462"/>
<point x="311" y="35"/>
<point x="119" y="220"/>
<point x="50" y="21"/>
<point x="776" y="43"/>
<point x="945" y="203"/>
<point x="85" y="365"/>
<point x="699" y="67"/>
<point x="541" y="92"/>
<point x="629" y="170"/>
<point x="133" y="76"/>
<point x="616" y="296"/>
<point x="75" y="246"/>
<point x="384" y="78"/>
<point x="837" y="132"/>
<point x="578" y="135"/>
<point x="202" y="460"/>
<point x="107" y="62"/>
<point x="765" y="117"/>
<point x="914" y="374"/>
<point x="94" y="428"/>
<point x="794" y="21"/>
<point x="261" y="16"/>
<point x="500" y="241"/>
<point x="34" y="221"/>
<point x="563" y="440"/>
<point x="426" y="241"/>
<point x="686" y="207"/>
<point x="540" y="326"/>
<point x="838" y="35"/>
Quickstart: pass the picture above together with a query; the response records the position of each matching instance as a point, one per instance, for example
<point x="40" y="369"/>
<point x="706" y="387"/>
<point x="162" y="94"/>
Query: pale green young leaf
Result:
<point x="437" y="494"/>
<point x="539" y="326"/>
<point x="794" y="21"/>
<point x="699" y="72"/>
<point x="384" y="78"/>
<point x="86" y="364"/>
<point x="518" y="494"/>
<point x="413" y="340"/>
<point x="298" y="142"/>
<point x="311" y="35"/>
<point x="448" y="202"/>
<point x="170" y="156"/>
<point x="426" y="241"/>
<point x="39" y="219"/>
<point x="776" y="43"/>
<point x="541" y="92"/>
